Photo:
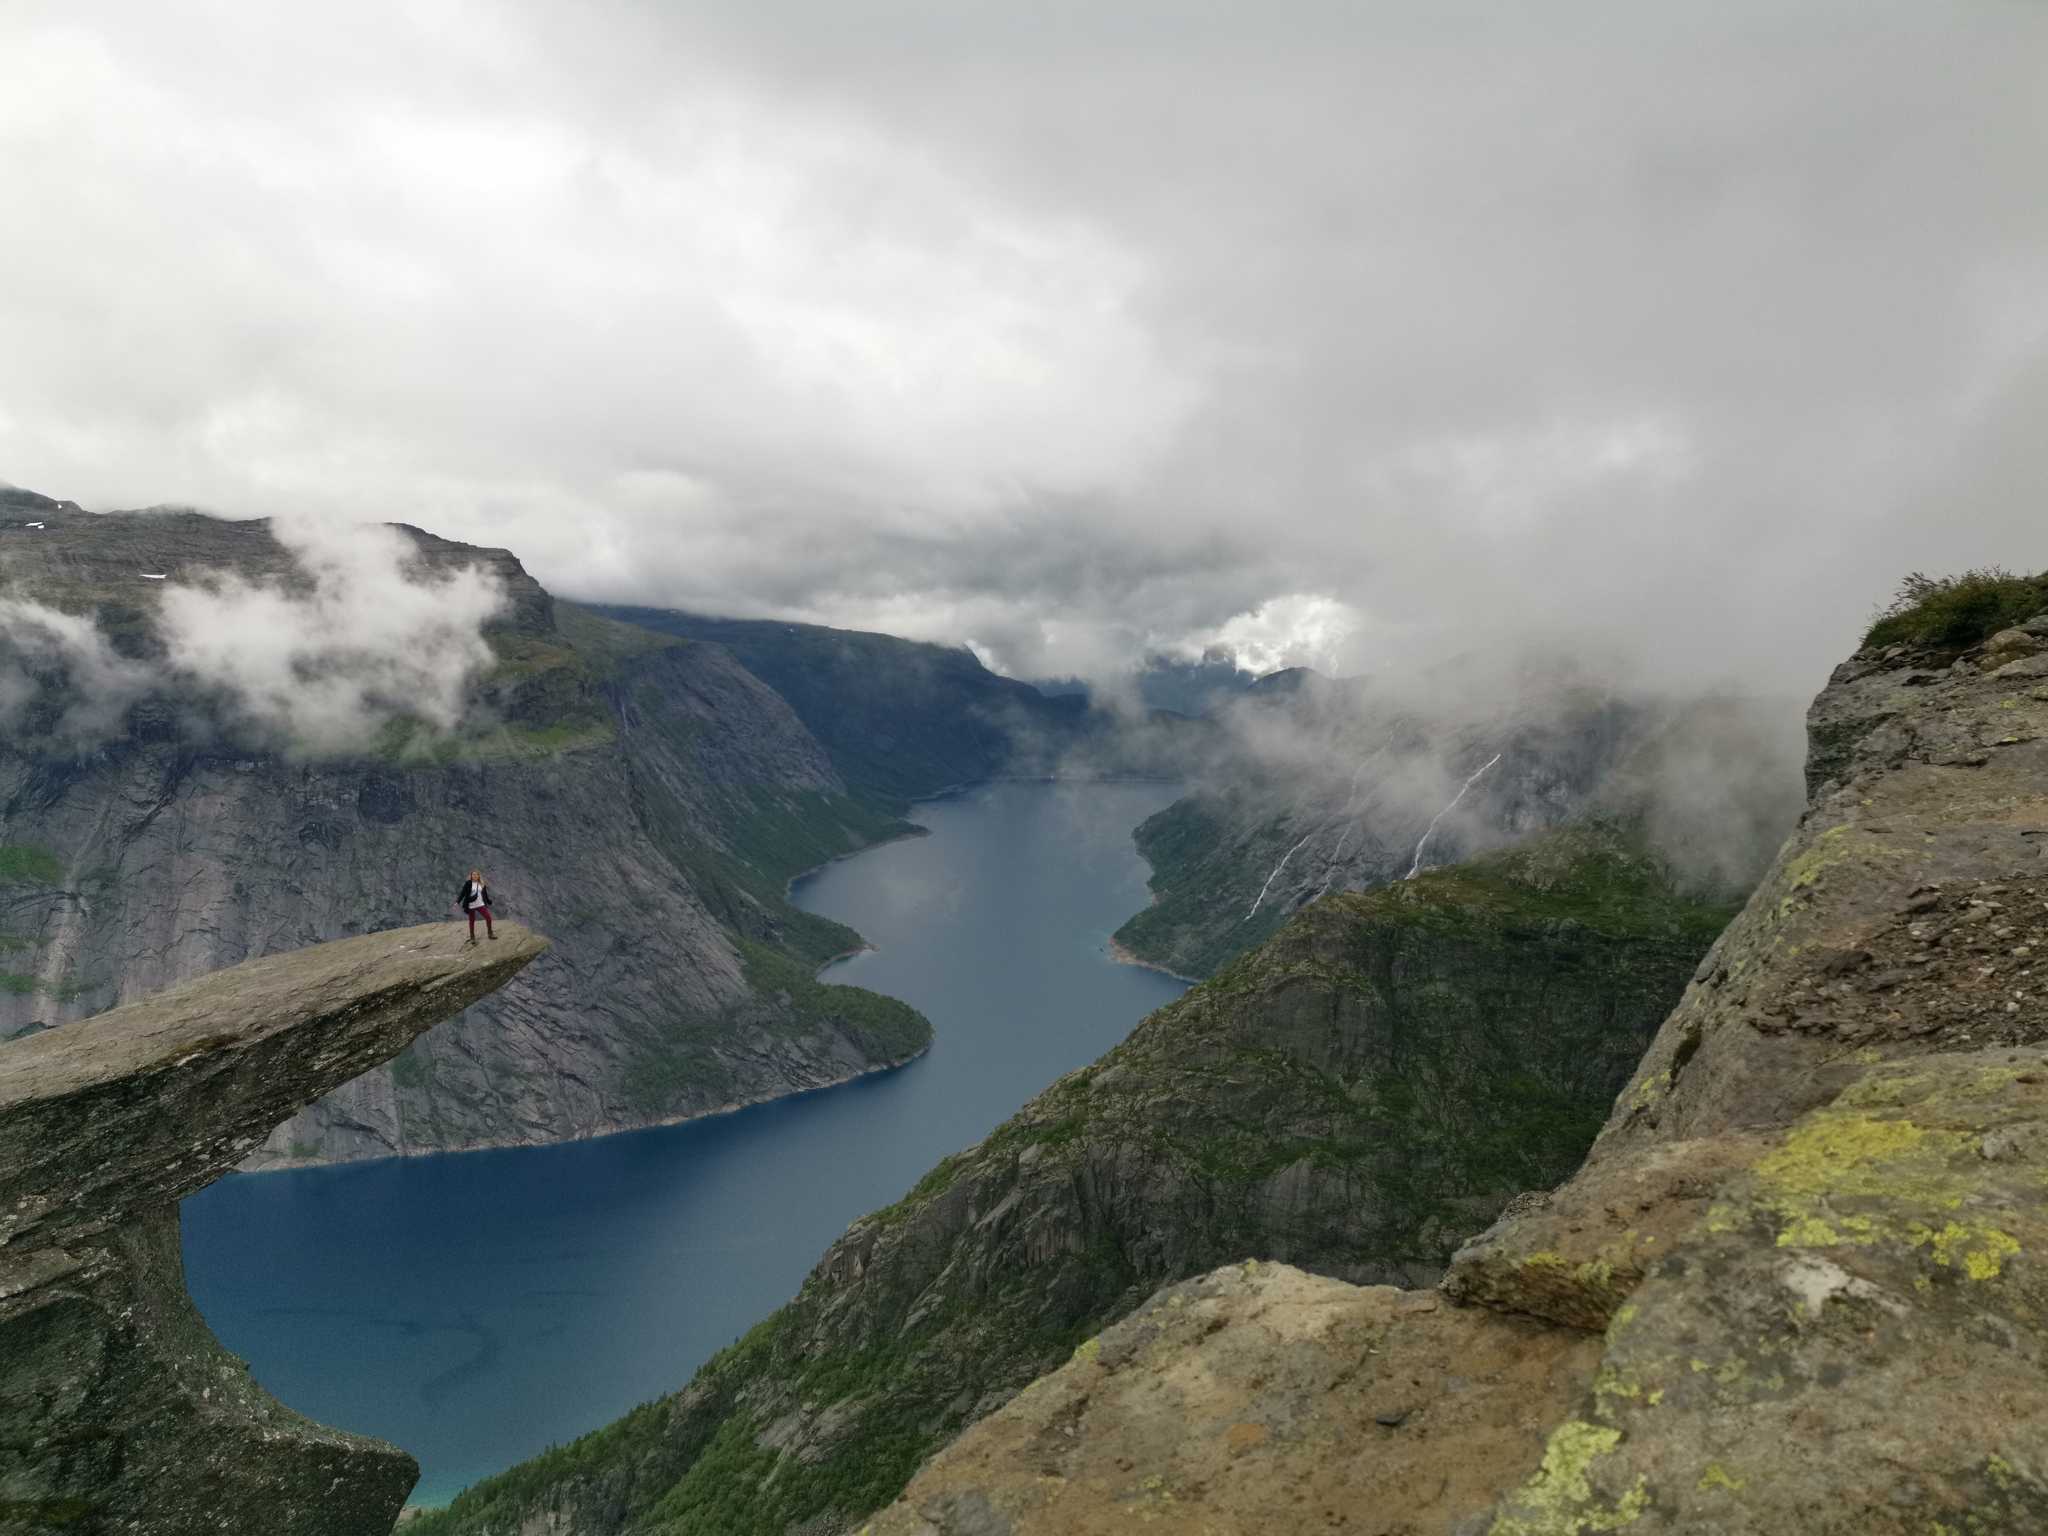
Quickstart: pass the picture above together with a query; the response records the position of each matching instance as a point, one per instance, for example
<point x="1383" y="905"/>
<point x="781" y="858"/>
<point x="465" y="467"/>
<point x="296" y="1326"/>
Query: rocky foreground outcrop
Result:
<point x="1262" y="1399"/>
<point x="1809" y="1250"/>
<point x="118" y="1409"/>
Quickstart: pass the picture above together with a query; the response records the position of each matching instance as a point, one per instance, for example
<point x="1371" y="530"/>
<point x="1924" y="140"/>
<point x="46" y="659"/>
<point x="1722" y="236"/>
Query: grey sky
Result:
<point x="1354" y="334"/>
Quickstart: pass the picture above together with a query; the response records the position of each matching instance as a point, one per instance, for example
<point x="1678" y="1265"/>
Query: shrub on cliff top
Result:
<point x="1953" y="613"/>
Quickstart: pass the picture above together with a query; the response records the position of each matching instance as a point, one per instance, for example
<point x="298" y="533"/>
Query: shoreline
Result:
<point x="789" y="885"/>
<point x="1123" y="956"/>
<point x="1118" y="954"/>
<point x="732" y="1108"/>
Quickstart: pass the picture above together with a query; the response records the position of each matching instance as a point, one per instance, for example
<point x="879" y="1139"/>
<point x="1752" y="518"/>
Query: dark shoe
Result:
<point x="492" y="937"/>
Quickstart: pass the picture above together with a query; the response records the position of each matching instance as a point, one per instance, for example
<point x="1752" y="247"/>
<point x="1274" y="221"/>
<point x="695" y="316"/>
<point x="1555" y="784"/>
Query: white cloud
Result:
<point x="1521" y="481"/>
<point x="1301" y="629"/>
<point x="367" y="639"/>
<point x="1069" y="330"/>
<point x="360" y="636"/>
<point x="38" y="642"/>
<point x="377" y="252"/>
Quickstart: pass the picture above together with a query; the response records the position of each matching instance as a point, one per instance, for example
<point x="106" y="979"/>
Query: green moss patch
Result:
<point x="1201" y="867"/>
<point x="24" y="863"/>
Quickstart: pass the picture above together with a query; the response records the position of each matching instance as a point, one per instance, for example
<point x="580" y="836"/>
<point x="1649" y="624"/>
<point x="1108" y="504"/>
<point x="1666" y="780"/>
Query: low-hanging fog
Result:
<point x="1360" y="336"/>
<point x="317" y="664"/>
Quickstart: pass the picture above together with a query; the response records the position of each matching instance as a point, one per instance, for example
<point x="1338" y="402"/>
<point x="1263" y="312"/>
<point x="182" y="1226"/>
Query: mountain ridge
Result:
<point x="642" y="796"/>
<point x="946" y="719"/>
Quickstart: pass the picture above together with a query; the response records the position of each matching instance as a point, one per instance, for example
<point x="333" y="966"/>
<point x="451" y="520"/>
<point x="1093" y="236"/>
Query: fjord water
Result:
<point x="478" y="1307"/>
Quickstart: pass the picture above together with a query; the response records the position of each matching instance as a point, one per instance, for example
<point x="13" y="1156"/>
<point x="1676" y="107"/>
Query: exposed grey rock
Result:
<point x="641" y="797"/>
<point x="118" y="1409"/>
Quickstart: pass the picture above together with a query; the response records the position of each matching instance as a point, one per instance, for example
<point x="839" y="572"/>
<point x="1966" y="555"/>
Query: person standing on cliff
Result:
<point x="475" y="899"/>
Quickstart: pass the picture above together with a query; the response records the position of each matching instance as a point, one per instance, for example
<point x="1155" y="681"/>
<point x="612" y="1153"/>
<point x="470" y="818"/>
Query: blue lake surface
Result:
<point x="476" y="1308"/>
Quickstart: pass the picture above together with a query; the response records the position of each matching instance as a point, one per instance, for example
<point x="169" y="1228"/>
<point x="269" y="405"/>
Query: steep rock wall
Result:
<point x="643" y="798"/>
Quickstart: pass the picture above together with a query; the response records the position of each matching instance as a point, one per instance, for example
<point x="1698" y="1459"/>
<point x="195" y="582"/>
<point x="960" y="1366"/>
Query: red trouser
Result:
<point x="485" y="914"/>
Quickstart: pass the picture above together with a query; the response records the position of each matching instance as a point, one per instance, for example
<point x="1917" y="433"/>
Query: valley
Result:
<point x="477" y="1309"/>
<point x="641" y="798"/>
<point x="1356" y="1096"/>
<point x="1435" y="937"/>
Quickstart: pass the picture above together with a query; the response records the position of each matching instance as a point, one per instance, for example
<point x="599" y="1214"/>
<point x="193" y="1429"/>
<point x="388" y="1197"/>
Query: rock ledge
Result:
<point x="118" y="1409"/>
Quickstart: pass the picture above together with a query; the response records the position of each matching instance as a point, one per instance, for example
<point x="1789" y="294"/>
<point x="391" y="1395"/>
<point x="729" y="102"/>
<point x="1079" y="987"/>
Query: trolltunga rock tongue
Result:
<point x="118" y="1409"/>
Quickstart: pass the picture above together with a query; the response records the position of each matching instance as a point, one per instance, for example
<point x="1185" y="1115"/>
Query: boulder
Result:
<point x="1259" y="1399"/>
<point x="2009" y="645"/>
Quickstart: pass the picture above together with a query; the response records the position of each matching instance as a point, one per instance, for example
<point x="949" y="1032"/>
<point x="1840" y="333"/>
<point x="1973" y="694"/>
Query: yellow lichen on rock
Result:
<point x="1559" y="1501"/>
<point x="1981" y="1251"/>
<point x="1852" y="1174"/>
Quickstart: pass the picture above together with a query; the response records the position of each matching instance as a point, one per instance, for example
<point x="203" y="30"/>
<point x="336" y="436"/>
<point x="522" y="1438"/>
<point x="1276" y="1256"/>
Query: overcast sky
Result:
<point x="1351" y="334"/>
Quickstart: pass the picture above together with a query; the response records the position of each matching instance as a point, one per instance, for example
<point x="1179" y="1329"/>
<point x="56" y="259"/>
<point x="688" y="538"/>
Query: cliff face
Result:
<point x="118" y="1410"/>
<point x="642" y="797"/>
<point x="1354" y="1097"/>
<point x="1808" y="1242"/>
